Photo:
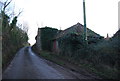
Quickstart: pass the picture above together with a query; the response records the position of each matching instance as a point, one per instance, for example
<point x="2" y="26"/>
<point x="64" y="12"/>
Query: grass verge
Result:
<point x="82" y="69"/>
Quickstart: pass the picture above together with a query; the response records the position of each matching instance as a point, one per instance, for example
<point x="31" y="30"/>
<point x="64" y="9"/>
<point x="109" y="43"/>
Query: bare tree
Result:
<point x="6" y="3"/>
<point x="12" y="13"/>
<point x="25" y="26"/>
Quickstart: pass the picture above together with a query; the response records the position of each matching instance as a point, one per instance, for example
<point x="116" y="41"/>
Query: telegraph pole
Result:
<point x="85" y="29"/>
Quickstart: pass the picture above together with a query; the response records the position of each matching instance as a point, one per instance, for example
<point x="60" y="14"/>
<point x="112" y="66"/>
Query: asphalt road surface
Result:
<point x="27" y="65"/>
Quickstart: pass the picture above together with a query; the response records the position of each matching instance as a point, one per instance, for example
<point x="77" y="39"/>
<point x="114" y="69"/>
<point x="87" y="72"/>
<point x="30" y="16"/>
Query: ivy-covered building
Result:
<point x="76" y="30"/>
<point x="44" y="38"/>
<point x="55" y="40"/>
<point x="38" y="40"/>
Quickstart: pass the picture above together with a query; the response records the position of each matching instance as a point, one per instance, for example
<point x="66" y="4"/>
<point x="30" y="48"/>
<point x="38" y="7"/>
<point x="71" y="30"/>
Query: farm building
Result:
<point x="48" y="38"/>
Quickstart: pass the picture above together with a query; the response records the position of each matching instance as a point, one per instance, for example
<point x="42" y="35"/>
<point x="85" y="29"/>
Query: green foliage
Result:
<point x="5" y="21"/>
<point x="13" y="24"/>
<point x="100" y="54"/>
<point x="69" y="43"/>
<point x="47" y="34"/>
<point x="72" y="42"/>
<point x="13" y="38"/>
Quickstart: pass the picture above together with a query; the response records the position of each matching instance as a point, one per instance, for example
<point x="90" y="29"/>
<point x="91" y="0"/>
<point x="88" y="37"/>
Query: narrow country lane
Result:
<point x="27" y="65"/>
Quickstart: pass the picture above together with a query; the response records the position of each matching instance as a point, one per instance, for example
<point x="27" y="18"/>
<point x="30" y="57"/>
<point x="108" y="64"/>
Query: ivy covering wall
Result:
<point x="47" y="35"/>
<point x="72" y="42"/>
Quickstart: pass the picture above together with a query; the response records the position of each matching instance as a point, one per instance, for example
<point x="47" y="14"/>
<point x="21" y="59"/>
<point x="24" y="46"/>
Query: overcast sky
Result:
<point x="101" y="15"/>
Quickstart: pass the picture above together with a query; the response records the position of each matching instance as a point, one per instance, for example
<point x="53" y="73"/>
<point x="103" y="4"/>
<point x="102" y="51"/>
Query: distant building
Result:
<point x="38" y="40"/>
<point x="77" y="29"/>
<point x="44" y="38"/>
